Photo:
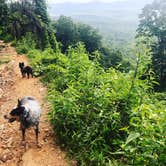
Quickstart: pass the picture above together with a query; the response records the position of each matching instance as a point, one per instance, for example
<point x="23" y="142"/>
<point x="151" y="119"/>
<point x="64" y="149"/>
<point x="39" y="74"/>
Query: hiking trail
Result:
<point x="12" y="87"/>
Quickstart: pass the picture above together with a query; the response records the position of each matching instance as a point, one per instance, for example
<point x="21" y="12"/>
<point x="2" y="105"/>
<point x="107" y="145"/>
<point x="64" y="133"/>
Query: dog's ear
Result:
<point x="19" y="102"/>
<point x="22" y="63"/>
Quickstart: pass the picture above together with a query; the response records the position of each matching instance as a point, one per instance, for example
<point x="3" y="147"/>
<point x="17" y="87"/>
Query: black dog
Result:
<point x="27" y="113"/>
<point x="25" y="70"/>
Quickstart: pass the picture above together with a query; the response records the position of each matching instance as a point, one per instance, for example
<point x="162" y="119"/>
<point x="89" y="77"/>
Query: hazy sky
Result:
<point x="80" y="1"/>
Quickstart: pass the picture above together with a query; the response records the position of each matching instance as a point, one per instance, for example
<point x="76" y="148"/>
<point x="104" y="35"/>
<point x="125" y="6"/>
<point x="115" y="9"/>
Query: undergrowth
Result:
<point x="103" y="117"/>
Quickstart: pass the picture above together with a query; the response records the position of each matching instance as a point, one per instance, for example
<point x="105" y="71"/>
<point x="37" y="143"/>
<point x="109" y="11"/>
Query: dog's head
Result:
<point x="21" y="65"/>
<point x="17" y="113"/>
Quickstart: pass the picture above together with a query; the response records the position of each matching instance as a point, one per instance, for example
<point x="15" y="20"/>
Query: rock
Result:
<point x="3" y="158"/>
<point x="41" y="89"/>
<point x="1" y="93"/>
<point x="45" y="139"/>
<point x="3" y="146"/>
<point x="10" y="142"/>
<point x="46" y="130"/>
<point x="6" y="155"/>
<point x="2" y="127"/>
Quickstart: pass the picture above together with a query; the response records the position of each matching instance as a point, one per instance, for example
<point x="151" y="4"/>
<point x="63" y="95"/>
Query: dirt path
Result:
<point x="12" y="87"/>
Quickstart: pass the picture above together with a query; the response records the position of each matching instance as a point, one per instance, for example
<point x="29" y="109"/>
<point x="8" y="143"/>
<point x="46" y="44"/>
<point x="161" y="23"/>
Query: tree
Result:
<point x="110" y="57"/>
<point x="40" y="9"/>
<point x="90" y="37"/>
<point x="18" y="18"/>
<point x="66" y="32"/>
<point x="3" y="16"/>
<point x="113" y="58"/>
<point x="69" y="33"/>
<point x="153" y="24"/>
<point x="3" y="12"/>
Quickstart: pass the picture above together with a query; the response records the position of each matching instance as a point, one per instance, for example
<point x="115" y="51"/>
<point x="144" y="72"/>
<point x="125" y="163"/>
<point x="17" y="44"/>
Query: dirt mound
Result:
<point x="12" y="87"/>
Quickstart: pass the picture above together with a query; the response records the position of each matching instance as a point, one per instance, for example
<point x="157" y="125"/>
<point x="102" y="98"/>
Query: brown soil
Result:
<point x="12" y="87"/>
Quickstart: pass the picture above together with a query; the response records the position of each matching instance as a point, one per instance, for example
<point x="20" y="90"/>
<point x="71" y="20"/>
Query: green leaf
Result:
<point x="132" y="137"/>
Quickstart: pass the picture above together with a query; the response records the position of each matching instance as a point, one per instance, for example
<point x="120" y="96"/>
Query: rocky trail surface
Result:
<point x="12" y="87"/>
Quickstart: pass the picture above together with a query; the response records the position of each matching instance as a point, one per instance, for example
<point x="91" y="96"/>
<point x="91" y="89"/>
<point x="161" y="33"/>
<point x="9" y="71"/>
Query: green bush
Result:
<point x="102" y="117"/>
<point x="7" y="38"/>
<point x="145" y="144"/>
<point x="25" y="44"/>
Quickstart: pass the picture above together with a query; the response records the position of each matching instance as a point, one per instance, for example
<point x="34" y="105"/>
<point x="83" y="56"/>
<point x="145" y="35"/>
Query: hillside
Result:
<point x="101" y="105"/>
<point x="13" y="87"/>
<point x="116" y="21"/>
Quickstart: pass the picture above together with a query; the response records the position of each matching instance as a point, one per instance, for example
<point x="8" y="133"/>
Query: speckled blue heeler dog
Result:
<point x="28" y="113"/>
<point x="25" y="70"/>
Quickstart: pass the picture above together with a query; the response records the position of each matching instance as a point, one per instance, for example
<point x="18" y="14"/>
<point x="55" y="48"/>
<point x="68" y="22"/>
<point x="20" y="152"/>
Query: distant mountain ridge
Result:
<point x="116" y="21"/>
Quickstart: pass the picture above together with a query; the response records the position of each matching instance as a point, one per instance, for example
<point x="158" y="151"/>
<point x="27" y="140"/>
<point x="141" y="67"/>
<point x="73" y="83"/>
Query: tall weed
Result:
<point x="25" y="44"/>
<point x="103" y="117"/>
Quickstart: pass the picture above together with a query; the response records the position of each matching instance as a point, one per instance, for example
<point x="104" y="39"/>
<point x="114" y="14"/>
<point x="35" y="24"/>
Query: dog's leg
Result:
<point x="37" y="133"/>
<point x="28" y="74"/>
<point x="22" y="74"/>
<point x="23" y="143"/>
<point x="23" y="134"/>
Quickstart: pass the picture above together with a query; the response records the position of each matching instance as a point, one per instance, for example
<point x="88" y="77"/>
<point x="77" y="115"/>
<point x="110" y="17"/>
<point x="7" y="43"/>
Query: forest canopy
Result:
<point x="153" y="25"/>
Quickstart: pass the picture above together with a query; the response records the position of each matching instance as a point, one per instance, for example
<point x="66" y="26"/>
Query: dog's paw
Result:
<point x="23" y="143"/>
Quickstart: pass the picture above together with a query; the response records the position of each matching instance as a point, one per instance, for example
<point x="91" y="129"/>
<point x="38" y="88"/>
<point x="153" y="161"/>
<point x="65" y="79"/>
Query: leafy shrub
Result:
<point x="25" y="44"/>
<point x="103" y="117"/>
<point x="145" y="144"/>
<point x="7" y="38"/>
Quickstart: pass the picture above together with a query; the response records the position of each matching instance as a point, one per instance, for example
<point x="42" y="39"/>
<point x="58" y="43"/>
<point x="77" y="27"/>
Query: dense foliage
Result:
<point x="21" y="17"/>
<point x="70" y="33"/>
<point x="152" y="23"/>
<point x="103" y="117"/>
<point x="114" y="58"/>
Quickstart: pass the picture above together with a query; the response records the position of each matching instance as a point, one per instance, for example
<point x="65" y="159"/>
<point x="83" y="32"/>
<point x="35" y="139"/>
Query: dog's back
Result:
<point x="33" y="108"/>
